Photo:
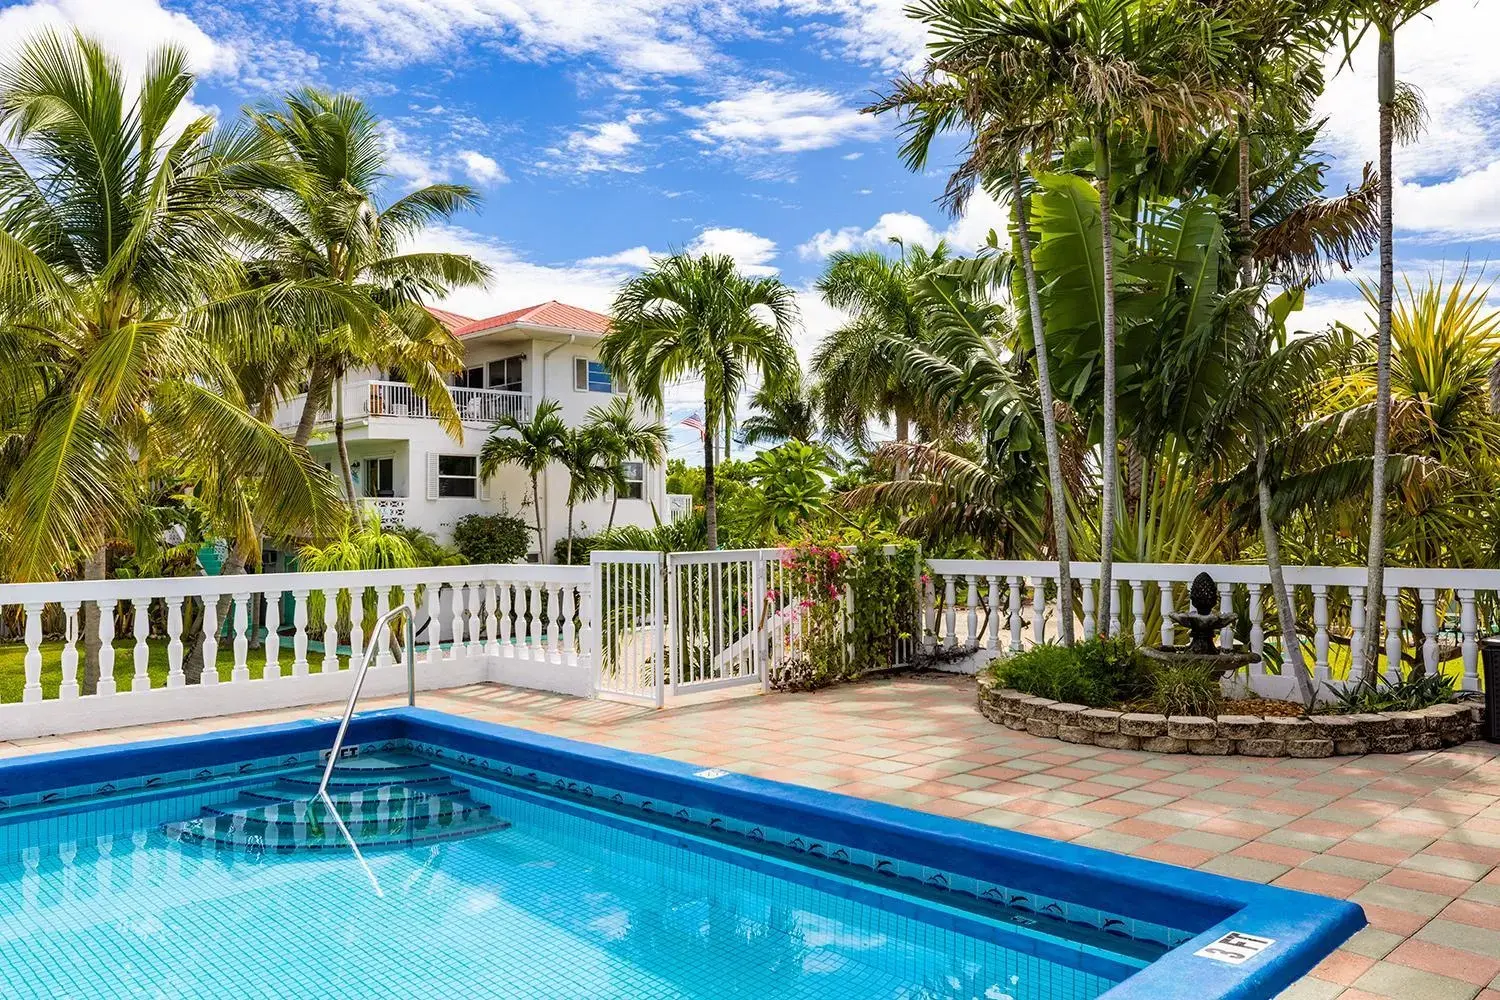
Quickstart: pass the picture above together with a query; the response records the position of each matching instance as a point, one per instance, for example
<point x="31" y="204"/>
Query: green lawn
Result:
<point x="13" y="666"/>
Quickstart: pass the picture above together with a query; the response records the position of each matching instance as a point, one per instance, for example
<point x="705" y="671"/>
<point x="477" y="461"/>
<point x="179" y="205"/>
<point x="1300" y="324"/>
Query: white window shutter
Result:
<point x="432" y="475"/>
<point x="484" y="484"/>
<point x="580" y="374"/>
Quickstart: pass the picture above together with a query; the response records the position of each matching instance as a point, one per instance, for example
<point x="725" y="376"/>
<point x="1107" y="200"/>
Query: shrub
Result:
<point x="1051" y="671"/>
<point x="1116" y="665"/>
<point x="1381" y="695"/>
<point x="492" y="538"/>
<point x="583" y="545"/>
<point x="1185" y="689"/>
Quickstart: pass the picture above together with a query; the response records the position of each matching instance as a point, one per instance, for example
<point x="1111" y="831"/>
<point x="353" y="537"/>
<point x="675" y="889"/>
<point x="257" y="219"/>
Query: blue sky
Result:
<point x="602" y="131"/>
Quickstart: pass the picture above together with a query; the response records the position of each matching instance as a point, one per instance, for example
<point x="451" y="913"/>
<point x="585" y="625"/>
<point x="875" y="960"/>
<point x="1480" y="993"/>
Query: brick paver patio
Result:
<point x="1414" y="839"/>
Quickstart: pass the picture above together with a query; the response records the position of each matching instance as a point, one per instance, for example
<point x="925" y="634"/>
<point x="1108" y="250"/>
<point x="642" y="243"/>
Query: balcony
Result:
<point x="386" y="400"/>
<point x="390" y="510"/>
<point x="475" y="406"/>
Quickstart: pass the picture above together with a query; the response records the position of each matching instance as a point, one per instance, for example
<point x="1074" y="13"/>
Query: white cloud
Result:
<point x="1465" y="206"/>
<point x="598" y="148"/>
<point x="771" y="119"/>
<point x="873" y="32"/>
<point x="482" y="169"/>
<point x="131" y="29"/>
<point x="751" y="252"/>
<point x="1450" y="56"/>
<point x="410" y="167"/>
<point x="964" y="234"/>
<point x="638" y="258"/>
<point x="852" y="156"/>
<point x="637" y="36"/>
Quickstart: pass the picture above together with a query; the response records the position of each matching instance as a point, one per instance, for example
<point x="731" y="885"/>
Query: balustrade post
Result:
<point x="382" y="639"/>
<point x="1356" y="632"/>
<point x="1320" y="634"/>
<point x="993" y="642"/>
<point x="491" y="620"/>
<point x="1226" y="607"/>
<point x="1015" y="614"/>
<point x="33" y="661"/>
<point x="973" y="636"/>
<point x="1039" y="609"/>
<point x="69" y="686"/>
<point x="1469" y="628"/>
<point x="1138" y="611"/>
<point x="456" y="649"/>
<point x="210" y="644"/>
<point x="140" y="681"/>
<point x="241" y="671"/>
<point x="1258" y="626"/>
<point x="331" y="631"/>
<point x="1164" y="602"/>
<point x="1428" y="597"/>
<point x="299" y="636"/>
<point x="1393" y="633"/>
<point x="433" y="592"/>
<point x="272" y="669"/>
<point x="106" y="646"/>
<point x="950" y="612"/>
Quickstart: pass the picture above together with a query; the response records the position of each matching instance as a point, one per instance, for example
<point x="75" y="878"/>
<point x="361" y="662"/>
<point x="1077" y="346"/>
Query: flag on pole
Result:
<point x="696" y="423"/>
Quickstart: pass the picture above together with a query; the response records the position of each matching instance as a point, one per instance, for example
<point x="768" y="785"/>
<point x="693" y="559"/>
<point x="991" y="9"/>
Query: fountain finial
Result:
<point x="1203" y="594"/>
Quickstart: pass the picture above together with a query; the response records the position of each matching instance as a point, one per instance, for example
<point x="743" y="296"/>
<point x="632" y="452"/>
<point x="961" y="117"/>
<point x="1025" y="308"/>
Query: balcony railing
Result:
<point x="475" y="406"/>
<point x="397" y="399"/>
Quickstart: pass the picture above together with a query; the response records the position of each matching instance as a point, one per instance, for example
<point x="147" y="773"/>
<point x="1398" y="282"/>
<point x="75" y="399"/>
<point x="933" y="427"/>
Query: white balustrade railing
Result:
<point x="1435" y="617"/>
<point x="398" y="399"/>
<point x="212" y="645"/>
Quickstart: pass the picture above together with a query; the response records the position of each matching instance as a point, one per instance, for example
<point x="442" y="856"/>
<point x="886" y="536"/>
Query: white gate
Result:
<point x="714" y="602"/>
<point x="629" y="637"/>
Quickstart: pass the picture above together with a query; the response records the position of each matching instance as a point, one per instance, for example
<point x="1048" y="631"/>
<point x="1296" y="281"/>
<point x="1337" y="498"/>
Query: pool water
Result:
<point x="567" y="901"/>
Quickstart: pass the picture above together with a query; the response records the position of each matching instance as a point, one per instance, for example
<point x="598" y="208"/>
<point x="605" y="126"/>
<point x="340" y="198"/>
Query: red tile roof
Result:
<point x="451" y="320"/>
<point x="554" y="314"/>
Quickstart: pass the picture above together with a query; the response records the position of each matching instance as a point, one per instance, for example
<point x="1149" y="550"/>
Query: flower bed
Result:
<point x="1247" y="735"/>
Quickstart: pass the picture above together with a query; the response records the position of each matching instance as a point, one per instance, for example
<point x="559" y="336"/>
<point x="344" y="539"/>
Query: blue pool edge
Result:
<point x="1305" y="927"/>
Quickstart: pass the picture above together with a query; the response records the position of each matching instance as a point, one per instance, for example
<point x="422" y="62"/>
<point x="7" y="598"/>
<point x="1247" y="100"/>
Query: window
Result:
<point x="380" y="477"/>
<point x="635" y="480"/>
<point x="505" y="374"/>
<point x="458" y="476"/>
<point x="591" y="376"/>
<point x="471" y="379"/>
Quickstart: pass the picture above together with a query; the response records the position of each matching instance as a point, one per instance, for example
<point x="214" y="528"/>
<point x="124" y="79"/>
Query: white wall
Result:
<point x="548" y="373"/>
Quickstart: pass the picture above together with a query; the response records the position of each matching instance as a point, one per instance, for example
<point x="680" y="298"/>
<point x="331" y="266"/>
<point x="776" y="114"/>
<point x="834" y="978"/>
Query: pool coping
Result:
<point x="1304" y="927"/>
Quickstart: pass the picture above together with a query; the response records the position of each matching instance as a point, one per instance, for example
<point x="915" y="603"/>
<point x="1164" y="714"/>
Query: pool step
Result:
<point x="384" y="803"/>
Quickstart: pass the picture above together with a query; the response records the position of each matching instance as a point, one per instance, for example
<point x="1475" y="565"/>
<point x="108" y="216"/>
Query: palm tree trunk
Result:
<point x="1109" y="458"/>
<point x="317" y="383"/>
<point x="343" y="445"/>
<point x="1375" y="578"/>
<point x="1286" y="613"/>
<point x="710" y="493"/>
<point x="903" y="434"/>
<point x="1247" y="229"/>
<point x="536" y="509"/>
<point x="94" y="568"/>
<point x="570" y="532"/>
<point x="614" y="503"/>
<point x="1049" y="418"/>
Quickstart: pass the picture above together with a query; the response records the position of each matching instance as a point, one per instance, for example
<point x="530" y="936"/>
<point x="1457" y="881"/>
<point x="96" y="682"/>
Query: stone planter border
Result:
<point x="1246" y="735"/>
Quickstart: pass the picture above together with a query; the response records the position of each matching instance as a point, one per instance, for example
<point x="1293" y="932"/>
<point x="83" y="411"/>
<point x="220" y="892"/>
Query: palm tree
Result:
<point x="118" y="280"/>
<point x="1400" y="119"/>
<point x="592" y="460"/>
<point x="1106" y="73"/>
<point x="697" y="316"/>
<point x="532" y="444"/>
<point x="857" y="381"/>
<point x="627" y="437"/>
<point x="1005" y="121"/>
<point x="322" y="221"/>
<point x="784" y="412"/>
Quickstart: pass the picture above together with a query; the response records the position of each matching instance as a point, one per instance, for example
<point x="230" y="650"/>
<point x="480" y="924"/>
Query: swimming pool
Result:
<point x="497" y="862"/>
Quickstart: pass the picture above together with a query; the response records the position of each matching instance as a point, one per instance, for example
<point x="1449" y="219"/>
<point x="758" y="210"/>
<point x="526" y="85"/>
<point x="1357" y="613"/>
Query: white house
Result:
<point x="416" y="474"/>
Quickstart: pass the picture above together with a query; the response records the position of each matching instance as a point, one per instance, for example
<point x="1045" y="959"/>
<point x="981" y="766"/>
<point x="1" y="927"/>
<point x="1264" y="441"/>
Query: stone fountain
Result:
<point x="1203" y="624"/>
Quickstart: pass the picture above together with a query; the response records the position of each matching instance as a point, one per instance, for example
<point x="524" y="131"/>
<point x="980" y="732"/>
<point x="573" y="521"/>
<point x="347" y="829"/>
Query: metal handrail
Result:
<point x="381" y="624"/>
